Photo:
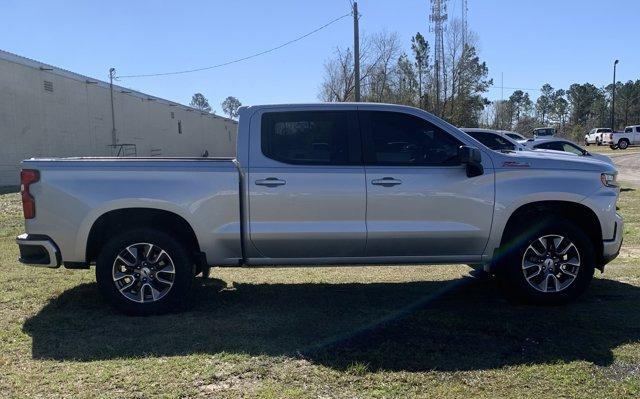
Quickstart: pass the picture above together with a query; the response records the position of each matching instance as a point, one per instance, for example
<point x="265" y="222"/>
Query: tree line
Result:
<point x="456" y="90"/>
<point x="229" y="106"/>
<point x="573" y="111"/>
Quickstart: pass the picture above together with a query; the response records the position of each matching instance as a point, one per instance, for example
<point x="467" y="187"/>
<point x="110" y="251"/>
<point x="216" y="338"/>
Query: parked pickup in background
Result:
<point x="324" y="184"/>
<point x="622" y="140"/>
<point x="595" y="136"/>
<point x="542" y="132"/>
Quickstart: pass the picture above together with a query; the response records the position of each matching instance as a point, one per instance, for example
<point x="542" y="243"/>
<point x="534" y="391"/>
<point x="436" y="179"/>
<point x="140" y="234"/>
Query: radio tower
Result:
<point x="465" y="10"/>
<point x="437" y="18"/>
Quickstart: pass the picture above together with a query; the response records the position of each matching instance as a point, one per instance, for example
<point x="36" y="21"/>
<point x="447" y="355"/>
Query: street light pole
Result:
<point x="613" y="97"/>
<point x="112" y="74"/>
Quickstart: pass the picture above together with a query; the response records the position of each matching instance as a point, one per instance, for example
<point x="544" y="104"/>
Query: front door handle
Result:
<point x="270" y="182"/>
<point x="386" y="182"/>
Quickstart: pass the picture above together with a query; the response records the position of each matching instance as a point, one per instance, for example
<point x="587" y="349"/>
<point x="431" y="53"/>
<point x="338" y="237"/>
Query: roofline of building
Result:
<point x="28" y="62"/>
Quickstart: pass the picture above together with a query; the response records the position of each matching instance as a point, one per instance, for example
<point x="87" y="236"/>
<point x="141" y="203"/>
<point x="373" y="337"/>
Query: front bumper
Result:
<point x="38" y="250"/>
<point x="611" y="248"/>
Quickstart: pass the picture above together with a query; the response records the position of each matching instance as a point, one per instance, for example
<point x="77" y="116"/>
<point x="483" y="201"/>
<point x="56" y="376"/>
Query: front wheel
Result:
<point x="550" y="263"/>
<point x="144" y="271"/>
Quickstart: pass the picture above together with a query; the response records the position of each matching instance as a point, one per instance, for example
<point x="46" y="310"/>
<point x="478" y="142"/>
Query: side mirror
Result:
<point x="472" y="158"/>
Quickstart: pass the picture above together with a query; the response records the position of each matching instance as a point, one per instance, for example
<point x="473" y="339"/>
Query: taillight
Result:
<point x="27" y="177"/>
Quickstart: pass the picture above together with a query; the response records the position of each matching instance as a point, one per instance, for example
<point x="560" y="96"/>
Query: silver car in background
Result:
<point x="566" y="146"/>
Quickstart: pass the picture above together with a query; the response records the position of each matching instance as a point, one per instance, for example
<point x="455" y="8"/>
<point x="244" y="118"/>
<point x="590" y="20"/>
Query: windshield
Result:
<point x="543" y="132"/>
<point x="493" y="141"/>
<point x="568" y="147"/>
<point x="560" y="146"/>
<point x="515" y="136"/>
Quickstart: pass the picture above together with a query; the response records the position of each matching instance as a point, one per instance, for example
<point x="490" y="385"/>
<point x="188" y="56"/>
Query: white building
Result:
<point x="50" y="112"/>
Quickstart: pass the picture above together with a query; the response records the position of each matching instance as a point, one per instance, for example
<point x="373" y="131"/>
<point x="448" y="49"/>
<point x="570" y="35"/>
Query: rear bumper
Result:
<point x="38" y="250"/>
<point x="611" y="248"/>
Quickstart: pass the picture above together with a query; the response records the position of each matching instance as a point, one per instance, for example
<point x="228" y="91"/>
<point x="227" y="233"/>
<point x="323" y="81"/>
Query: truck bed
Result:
<point x="74" y="192"/>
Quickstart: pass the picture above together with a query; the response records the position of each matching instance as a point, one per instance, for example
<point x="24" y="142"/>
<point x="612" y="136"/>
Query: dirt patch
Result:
<point x="628" y="167"/>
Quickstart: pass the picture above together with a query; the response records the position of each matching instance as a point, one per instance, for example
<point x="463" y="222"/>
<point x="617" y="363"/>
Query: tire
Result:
<point x="586" y="143"/>
<point x="598" y="142"/>
<point x="623" y="144"/>
<point x="535" y="284"/>
<point x="145" y="271"/>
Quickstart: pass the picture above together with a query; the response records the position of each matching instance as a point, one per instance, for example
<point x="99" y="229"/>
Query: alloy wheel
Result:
<point x="143" y="272"/>
<point x="551" y="263"/>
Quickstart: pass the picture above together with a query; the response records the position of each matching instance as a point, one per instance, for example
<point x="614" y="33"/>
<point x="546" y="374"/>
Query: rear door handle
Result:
<point x="386" y="182"/>
<point x="270" y="182"/>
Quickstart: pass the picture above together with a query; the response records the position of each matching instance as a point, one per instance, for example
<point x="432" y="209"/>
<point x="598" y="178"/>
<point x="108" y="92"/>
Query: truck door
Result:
<point x="420" y="201"/>
<point x="306" y="184"/>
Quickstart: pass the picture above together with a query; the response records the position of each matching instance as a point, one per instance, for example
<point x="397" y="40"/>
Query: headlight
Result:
<point x="609" y="179"/>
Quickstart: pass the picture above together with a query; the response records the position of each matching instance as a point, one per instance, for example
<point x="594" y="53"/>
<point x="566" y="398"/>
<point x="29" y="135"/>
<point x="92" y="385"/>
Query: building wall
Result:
<point x="74" y="119"/>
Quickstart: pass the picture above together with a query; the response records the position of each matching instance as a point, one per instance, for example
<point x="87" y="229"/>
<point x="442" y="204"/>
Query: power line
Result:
<point x="239" y="59"/>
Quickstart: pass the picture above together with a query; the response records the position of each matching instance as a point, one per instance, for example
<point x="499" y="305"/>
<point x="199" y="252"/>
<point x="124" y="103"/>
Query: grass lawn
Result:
<point x="405" y="331"/>
<point x="605" y="149"/>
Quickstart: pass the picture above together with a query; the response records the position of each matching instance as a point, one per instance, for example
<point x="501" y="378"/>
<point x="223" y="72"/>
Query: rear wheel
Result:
<point x="144" y="271"/>
<point x="551" y="263"/>
<point x="623" y="144"/>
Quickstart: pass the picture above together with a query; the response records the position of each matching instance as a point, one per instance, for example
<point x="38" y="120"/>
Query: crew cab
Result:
<point x="622" y="140"/>
<point x="314" y="184"/>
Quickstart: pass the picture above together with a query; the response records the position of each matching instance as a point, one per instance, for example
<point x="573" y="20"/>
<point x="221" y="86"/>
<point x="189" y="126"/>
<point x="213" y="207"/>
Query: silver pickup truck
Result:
<point x="324" y="184"/>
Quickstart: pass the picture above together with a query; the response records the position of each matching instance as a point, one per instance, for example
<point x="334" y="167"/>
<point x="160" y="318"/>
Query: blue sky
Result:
<point x="531" y="42"/>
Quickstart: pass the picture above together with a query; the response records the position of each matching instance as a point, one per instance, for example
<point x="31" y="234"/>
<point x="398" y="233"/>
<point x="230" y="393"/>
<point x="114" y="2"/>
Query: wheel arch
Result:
<point x="581" y="215"/>
<point x="117" y="220"/>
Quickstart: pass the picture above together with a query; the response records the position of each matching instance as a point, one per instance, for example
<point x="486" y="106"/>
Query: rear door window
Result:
<point x="311" y="137"/>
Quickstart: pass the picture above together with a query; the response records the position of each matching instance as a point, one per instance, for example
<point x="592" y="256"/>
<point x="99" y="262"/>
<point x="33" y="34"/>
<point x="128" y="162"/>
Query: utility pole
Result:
<point x="112" y="74"/>
<point x="356" y="49"/>
<point x="613" y="97"/>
